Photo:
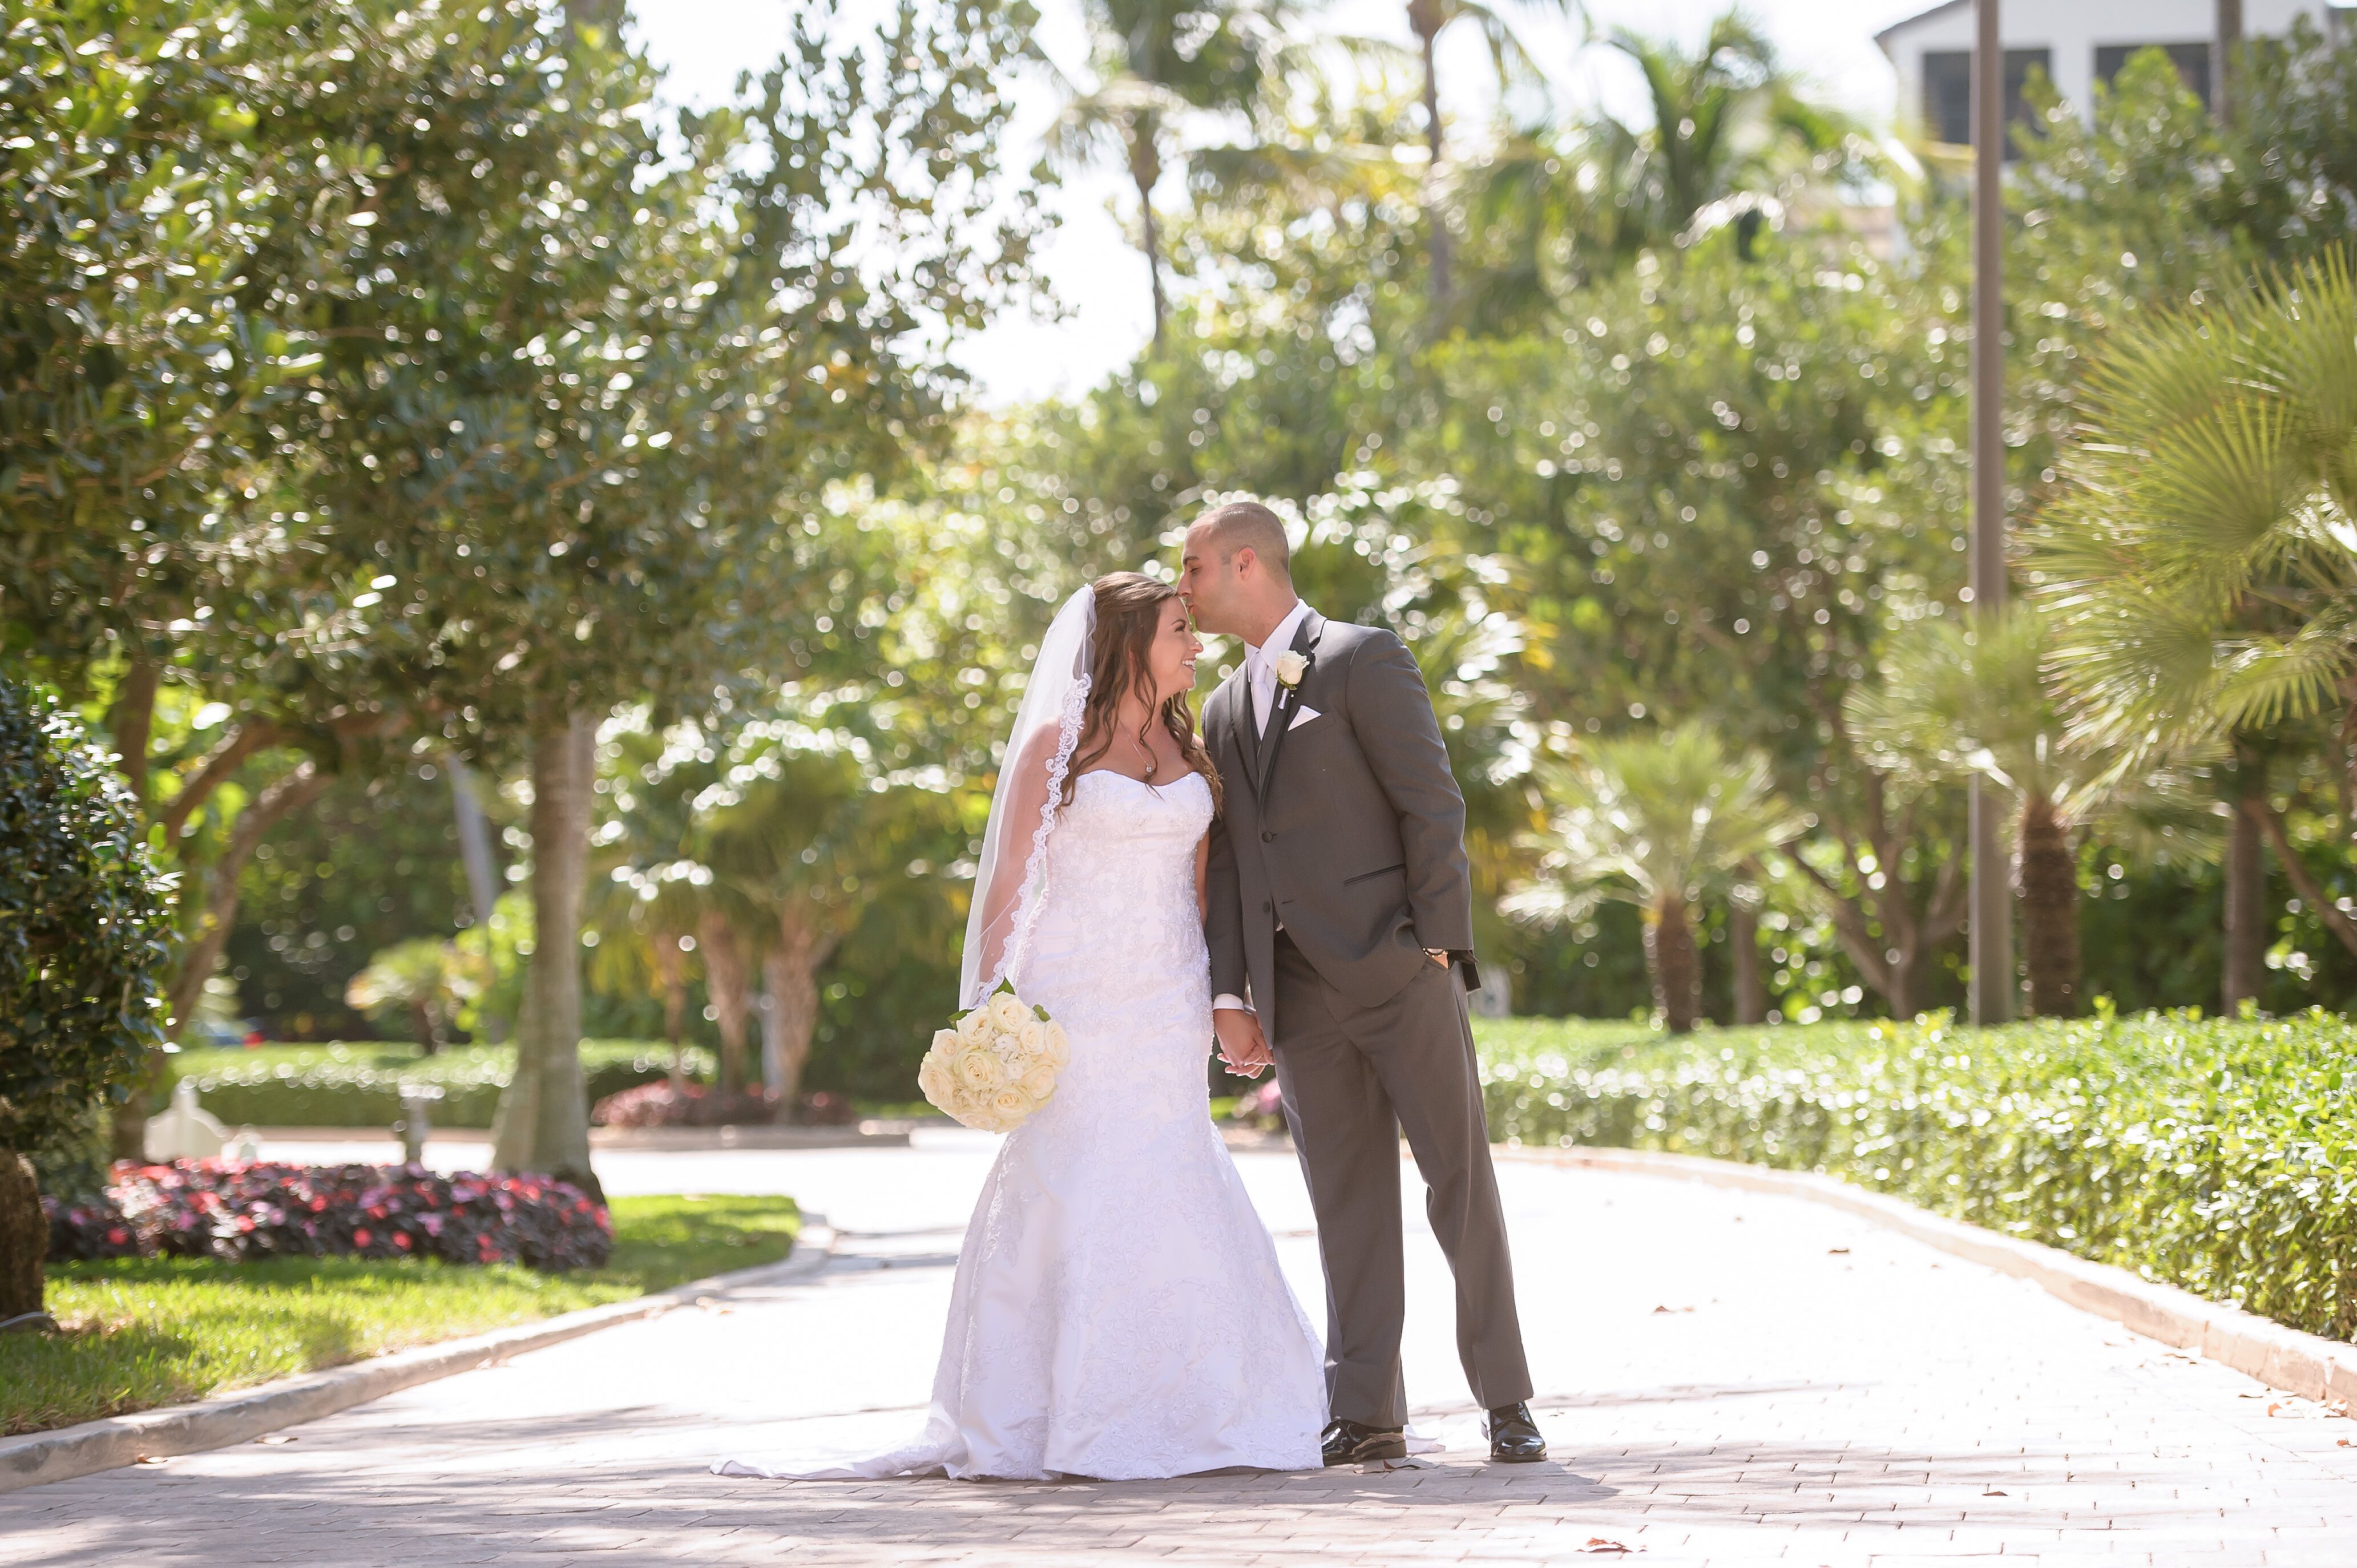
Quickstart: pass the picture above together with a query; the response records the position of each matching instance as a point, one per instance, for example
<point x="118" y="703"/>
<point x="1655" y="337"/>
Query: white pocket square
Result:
<point x="1302" y="717"/>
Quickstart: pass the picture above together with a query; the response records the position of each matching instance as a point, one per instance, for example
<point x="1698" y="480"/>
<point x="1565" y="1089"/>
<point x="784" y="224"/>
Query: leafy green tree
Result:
<point x="626" y="422"/>
<point x="1658" y="820"/>
<point x="84" y="917"/>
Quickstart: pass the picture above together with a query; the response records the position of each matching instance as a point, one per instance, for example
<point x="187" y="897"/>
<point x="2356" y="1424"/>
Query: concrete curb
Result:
<point x="117" y="1441"/>
<point x="2286" y="1359"/>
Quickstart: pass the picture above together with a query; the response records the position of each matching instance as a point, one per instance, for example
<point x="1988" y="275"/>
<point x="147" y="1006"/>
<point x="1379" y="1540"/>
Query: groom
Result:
<point x="1342" y="903"/>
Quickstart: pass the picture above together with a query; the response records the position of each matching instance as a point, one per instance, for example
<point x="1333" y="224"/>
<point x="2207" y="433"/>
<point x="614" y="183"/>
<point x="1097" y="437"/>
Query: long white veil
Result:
<point x="1047" y="727"/>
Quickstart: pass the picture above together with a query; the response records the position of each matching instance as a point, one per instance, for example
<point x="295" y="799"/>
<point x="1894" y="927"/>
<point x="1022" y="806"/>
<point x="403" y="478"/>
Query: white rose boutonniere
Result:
<point x="1290" y="667"/>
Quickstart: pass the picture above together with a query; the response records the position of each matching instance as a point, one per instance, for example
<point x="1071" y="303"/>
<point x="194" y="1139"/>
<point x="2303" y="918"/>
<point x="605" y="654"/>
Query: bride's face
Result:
<point x="1170" y="657"/>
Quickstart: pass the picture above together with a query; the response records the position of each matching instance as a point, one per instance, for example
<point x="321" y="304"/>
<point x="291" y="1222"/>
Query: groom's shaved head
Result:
<point x="1248" y="524"/>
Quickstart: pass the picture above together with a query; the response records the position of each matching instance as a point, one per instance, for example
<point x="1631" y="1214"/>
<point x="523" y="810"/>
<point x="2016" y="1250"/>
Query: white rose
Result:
<point x="1010" y="1103"/>
<point x="1290" y="667"/>
<point x="1032" y="1037"/>
<point x="977" y="1067"/>
<point x="932" y="1081"/>
<point x="974" y="1025"/>
<point x="1059" y="1046"/>
<point x="945" y="1040"/>
<point x="1007" y="1012"/>
<point x="1039" y="1082"/>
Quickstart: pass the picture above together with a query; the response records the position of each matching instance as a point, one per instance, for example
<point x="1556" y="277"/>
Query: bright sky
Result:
<point x="1092" y="266"/>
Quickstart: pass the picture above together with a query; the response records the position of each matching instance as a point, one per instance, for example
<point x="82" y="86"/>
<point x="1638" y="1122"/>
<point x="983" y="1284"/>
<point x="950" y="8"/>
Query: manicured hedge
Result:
<point x="358" y="1085"/>
<point x="2217" y="1155"/>
<point x="240" y="1213"/>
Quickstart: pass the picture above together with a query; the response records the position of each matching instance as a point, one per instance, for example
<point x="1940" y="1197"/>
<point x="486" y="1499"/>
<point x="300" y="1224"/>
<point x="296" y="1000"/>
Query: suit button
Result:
<point x="1267" y="836"/>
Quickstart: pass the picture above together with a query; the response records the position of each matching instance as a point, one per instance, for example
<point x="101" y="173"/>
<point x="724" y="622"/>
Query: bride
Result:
<point x="1118" y="1312"/>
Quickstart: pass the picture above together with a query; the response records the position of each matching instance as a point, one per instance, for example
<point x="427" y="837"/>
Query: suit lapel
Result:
<point x="1288" y="699"/>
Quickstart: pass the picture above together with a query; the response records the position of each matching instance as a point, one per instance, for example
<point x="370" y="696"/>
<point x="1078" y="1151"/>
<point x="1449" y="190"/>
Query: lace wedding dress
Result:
<point x="1118" y="1311"/>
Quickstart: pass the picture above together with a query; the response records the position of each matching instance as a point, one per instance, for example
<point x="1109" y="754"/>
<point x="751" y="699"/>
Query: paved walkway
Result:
<point x="1724" y="1378"/>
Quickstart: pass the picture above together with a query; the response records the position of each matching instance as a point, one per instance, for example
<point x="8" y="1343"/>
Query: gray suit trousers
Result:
<point x="1353" y="1079"/>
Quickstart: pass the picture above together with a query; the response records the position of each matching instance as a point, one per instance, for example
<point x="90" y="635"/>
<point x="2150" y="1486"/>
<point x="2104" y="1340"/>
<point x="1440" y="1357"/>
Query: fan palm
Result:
<point x="1655" y="820"/>
<point x="2201" y="565"/>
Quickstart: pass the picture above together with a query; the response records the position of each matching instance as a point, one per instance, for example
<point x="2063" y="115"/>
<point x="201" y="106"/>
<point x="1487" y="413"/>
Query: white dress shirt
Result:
<point x="1260" y="678"/>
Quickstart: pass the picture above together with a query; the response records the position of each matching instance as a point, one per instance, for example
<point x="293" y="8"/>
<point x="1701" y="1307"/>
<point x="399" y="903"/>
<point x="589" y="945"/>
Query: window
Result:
<point x="1948" y="91"/>
<point x="2191" y="60"/>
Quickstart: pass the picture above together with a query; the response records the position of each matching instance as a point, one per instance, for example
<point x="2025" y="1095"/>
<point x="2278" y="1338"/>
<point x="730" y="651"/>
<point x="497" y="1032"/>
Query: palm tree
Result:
<point x="2202" y="564"/>
<point x="1655" y="820"/>
<point x="1156" y="61"/>
<point x="1735" y="138"/>
<point x="1956" y="702"/>
<point x="800" y="830"/>
<point x="1428" y="19"/>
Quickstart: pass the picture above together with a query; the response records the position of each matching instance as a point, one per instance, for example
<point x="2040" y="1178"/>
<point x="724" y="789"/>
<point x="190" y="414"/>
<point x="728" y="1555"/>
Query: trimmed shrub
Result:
<point x="2220" y="1157"/>
<point x="215" y="1208"/>
<point x="360" y="1085"/>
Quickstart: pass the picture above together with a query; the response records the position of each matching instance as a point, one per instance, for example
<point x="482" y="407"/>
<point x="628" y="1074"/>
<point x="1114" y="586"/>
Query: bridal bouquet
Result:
<point x="997" y="1064"/>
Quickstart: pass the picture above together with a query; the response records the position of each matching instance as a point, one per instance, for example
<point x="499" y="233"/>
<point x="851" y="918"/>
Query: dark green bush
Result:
<point x="360" y="1085"/>
<point x="84" y="927"/>
<point x="2216" y="1155"/>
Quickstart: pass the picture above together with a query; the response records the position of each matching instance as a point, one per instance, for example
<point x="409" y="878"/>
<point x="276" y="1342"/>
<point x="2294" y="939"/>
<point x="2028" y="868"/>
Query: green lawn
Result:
<point x="143" y="1332"/>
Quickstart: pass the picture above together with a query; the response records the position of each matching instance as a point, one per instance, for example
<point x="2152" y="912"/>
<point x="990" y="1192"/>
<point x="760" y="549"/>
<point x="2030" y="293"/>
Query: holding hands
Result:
<point x="1243" y="1048"/>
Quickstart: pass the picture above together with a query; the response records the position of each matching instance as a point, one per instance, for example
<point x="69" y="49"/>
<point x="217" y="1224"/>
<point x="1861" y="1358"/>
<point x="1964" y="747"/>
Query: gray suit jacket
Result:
<point x="1348" y="827"/>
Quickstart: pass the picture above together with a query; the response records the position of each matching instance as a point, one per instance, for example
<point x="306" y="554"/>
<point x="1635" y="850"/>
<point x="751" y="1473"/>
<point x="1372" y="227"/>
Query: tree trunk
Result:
<point x="130" y="721"/>
<point x="729" y="985"/>
<point x="24" y="1237"/>
<point x="1743" y="939"/>
<point x="1435" y="228"/>
<point x="287" y="793"/>
<point x="670" y="976"/>
<point x="2049" y="910"/>
<point x="543" y="1117"/>
<point x="1145" y="173"/>
<point x="1670" y="954"/>
<point x="2222" y="59"/>
<point x="2246" y="888"/>
<point x="789" y="975"/>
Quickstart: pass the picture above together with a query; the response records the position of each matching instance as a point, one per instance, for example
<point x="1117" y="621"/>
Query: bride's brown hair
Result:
<point x="1129" y="611"/>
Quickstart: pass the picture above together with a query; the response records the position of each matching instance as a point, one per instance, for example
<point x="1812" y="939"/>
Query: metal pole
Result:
<point x="1992" y="916"/>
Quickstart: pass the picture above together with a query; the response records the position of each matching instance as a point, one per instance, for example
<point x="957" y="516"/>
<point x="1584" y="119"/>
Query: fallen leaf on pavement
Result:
<point x="1598" y="1544"/>
<point x="1836" y="1252"/>
<point x="1673" y="1309"/>
<point x="1993" y="1492"/>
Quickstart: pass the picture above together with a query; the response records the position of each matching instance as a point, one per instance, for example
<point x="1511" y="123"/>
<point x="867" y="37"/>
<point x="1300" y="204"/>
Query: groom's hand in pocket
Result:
<point x="1243" y="1047"/>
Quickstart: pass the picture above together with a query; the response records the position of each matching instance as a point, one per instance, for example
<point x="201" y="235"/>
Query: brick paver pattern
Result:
<point x="1724" y="1378"/>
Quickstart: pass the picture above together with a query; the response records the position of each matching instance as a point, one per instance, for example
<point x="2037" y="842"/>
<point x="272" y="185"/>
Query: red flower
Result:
<point x="360" y="1237"/>
<point x="401" y="1240"/>
<point x="118" y="1235"/>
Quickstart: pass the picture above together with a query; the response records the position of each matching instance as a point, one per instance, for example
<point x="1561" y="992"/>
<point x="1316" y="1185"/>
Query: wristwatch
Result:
<point x="1438" y="955"/>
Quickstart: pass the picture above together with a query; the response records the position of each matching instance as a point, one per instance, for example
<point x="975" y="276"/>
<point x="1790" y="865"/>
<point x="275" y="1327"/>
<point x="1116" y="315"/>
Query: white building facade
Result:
<point x="2076" y="43"/>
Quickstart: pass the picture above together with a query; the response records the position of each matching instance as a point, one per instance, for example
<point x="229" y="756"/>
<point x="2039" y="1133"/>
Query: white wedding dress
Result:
<point x="1118" y="1310"/>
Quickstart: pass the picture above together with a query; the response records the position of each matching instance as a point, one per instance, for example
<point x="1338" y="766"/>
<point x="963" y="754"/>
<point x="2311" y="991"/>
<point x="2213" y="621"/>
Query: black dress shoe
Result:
<point x="1348" y="1442"/>
<point x="1513" y="1436"/>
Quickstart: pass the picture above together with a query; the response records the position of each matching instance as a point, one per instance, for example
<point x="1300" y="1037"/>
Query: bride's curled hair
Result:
<point x="1129" y="611"/>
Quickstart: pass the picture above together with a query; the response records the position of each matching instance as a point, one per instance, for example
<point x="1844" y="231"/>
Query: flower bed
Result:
<point x="358" y="1085"/>
<point x="2217" y="1155"/>
<point x="239" y="1213"/>
<point x="656" y="1105"/>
